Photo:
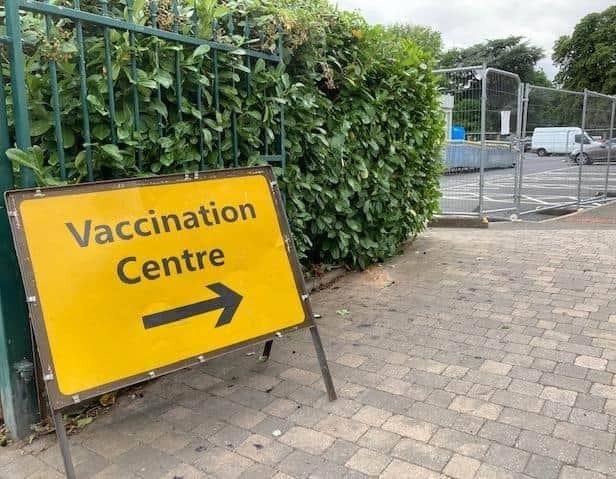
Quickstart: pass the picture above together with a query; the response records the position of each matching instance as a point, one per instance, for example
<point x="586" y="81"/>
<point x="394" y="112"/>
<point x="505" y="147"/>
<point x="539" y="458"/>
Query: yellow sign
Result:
<point x="134" y="277"/>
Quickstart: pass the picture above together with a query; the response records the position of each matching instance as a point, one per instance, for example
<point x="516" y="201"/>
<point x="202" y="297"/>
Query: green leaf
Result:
<point x="242" y="68"/>
<point x="94" y="101"/>
<point x="83" y="421"/>
<point x="124" y="132"/>
<point x="220" y="11"/>
<point x="160" y="108"/>
<point x="207" y="137"/>
<point x="337" y="141"/>
<point x="69" y="47"/>
<point x="113" y="151"/>
<point x="68" y="138"/>
<point x="228" y="90"/>
<point x="163" y="78"/>
<point x="101" y="131"/>
<point x="213" y="125"/>
<point x="80" y="159"/>
<point x="165" y="142"/>
<point x="138" y="5"/>
<point x="201" y="50"/>
<point x="354" y="224"/>
<point x="150" y="84"/>
<point x="22" y="158"/>
<point x="115" y="71"/>
<point x="259" y="66"/>
<point x="354" y="184"/>
<point x="40" y="127"/>
<point x="255" y="115"/>
<point x="166" y="159"/>
<point x="203" y="80"/>
<point x="285" y="80"/>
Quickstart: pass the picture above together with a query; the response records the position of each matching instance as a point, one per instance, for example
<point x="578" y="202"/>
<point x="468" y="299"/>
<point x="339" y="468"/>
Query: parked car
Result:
<point x="594" y="152"/>
<point x="558" y="140"/>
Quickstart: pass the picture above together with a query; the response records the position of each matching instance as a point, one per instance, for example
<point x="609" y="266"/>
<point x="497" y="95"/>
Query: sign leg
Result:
<point x="267" y="351"/>
<point x="63" y="442"/>
<point x="327" y="377"/>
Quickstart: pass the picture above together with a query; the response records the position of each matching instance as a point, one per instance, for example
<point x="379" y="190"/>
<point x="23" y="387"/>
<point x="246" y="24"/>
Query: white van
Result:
<point x="558" y="140"/>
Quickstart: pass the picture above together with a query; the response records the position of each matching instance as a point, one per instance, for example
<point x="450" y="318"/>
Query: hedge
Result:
<point x="363" y="122"/>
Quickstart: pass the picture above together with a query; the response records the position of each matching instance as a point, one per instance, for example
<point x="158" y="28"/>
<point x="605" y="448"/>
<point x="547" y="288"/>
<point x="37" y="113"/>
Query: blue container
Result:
<point x="458" y="133"/>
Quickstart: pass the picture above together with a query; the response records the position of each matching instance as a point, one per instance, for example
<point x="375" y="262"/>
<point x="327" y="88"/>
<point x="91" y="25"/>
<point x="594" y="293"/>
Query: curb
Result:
<point x="458" y="222"/>
<point x="326" y="279"/>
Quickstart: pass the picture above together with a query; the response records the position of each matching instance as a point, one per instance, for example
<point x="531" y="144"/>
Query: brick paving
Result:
<point x="475" y="354"/>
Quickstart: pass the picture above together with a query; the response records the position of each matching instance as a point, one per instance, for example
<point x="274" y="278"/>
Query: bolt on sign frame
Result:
<point x="165" y="313"/>
<point x="17" y="390"/>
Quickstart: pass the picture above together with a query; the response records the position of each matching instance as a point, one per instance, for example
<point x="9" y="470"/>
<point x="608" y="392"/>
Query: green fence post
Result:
<point x="17" y="385"/>
<point x="18" y="86"/>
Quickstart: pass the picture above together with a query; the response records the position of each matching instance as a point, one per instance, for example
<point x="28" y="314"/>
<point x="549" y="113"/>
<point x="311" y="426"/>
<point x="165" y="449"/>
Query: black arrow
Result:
<point x="227" y="300"/>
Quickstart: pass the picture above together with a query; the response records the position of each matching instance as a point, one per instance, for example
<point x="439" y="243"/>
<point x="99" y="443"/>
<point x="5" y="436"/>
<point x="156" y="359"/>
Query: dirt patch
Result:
<point x="377" y="276"/>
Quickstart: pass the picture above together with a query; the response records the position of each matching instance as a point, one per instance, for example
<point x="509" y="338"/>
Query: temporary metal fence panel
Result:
<point x="552" y="122"/>
<point x="481" y="107"/>
<point x="502" y="128"/>
<point x="514" y="148"/>
<point x="461" y="99"/>
<point x="567" y="131"/>
<point x="610" y="173"/>
<point x="94" y="35"/>
<point x="596" y="155"/>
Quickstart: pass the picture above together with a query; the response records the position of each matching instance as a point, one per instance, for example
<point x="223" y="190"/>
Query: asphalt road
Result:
<point x="547" y="182"/>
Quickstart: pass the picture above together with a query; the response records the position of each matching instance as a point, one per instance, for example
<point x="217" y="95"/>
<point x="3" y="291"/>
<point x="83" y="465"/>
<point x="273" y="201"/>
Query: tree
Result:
<point x="428" y="39"/>
<point x="587" y="57"/>
<point x="539" y="78"/>
<point x="511" y="54"/>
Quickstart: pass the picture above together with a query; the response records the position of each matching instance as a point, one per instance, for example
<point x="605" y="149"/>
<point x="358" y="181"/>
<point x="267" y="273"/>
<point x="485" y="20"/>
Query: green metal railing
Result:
<point x="17" y="394"/>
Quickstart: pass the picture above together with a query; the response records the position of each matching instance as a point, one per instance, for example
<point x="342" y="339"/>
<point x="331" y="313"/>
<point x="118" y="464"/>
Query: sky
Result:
<point x="465" y="22"/>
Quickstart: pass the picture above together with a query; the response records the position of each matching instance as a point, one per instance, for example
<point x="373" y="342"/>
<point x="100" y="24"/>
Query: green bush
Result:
<point x="363" y="123"/>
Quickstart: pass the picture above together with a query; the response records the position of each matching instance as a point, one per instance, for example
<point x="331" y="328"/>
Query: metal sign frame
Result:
<point x="56" y="398"/>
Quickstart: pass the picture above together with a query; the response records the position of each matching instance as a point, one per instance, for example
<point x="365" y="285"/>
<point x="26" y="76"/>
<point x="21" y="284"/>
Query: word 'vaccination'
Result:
<point x="132" y="271"/>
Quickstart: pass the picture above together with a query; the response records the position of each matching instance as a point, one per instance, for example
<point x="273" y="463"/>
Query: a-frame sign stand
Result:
<point x="192" y="259"/>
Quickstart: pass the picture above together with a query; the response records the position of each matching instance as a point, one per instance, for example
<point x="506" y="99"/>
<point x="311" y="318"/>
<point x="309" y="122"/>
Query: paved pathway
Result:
<point x="476" y="354"/>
